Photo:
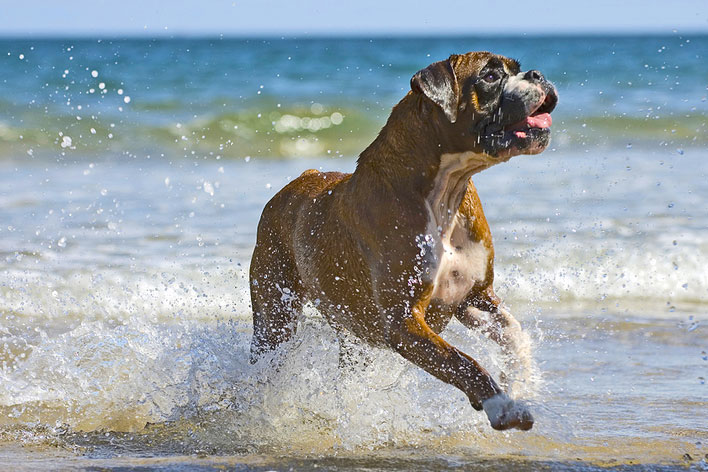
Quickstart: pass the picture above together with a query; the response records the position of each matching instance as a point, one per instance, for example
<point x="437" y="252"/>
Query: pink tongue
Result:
<point x="539" y="121"/>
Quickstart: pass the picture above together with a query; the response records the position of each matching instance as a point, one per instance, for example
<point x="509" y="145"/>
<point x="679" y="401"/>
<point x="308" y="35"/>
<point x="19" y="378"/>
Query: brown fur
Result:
<point x="348" y="243"/>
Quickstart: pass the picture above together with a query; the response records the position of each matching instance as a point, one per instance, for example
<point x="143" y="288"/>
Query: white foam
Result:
<point x="121" y="376"/>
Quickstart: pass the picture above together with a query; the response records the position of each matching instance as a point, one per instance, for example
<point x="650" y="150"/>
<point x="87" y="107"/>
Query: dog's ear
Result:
<point x="438" y="83"/>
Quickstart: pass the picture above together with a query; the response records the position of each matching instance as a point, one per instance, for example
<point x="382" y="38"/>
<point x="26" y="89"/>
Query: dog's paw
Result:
<point x="505" y="413"/>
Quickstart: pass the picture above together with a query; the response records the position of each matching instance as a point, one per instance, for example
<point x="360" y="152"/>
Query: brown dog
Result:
<point x="394" y="250"/>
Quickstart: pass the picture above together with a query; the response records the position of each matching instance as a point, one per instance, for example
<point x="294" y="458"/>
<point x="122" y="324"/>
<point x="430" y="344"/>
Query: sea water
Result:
<point x="132" y="176"/>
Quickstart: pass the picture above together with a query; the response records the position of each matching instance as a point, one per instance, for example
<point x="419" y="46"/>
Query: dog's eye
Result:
<point x="490" y="77"/>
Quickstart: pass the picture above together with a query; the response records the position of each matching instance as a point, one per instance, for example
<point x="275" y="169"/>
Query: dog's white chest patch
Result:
<point x="459" y="261"/>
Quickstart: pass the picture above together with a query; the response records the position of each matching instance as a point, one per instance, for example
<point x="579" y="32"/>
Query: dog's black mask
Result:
<point x="491" y="106"/>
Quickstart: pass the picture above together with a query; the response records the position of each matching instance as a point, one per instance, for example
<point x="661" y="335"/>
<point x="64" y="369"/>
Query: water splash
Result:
<point x="100" y="377"/>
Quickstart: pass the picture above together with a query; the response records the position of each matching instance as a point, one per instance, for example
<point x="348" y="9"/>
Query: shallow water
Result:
<point x="124" y="311"/>
<point x="126" y="325"/>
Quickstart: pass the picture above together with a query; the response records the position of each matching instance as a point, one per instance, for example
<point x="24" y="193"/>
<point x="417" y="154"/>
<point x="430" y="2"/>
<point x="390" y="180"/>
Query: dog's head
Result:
<point x="483" y="102"/>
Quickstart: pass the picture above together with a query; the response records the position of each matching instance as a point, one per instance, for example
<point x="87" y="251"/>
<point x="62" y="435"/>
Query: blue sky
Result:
<point x="317" y="17"/>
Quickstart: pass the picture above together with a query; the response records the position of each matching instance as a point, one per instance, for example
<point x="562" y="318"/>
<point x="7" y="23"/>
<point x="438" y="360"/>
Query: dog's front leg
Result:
<point x="484" y="311"/>
<point x="413" y="339"/>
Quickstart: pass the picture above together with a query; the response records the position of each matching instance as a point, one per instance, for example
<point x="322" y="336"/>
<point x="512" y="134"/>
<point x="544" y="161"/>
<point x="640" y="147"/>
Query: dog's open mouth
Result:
<point x="539" y="119"/>
<point x="534" y="122"/>
<point x="530" y="135"/>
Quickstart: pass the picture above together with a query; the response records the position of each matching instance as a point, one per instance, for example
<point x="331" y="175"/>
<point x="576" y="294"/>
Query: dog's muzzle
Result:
<point x="521" y="123"/>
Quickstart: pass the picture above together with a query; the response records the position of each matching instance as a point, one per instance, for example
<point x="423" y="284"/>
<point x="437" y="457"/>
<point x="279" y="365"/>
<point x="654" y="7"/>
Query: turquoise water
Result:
<point x="124" y="310"/>
<point x="318" y="97"/>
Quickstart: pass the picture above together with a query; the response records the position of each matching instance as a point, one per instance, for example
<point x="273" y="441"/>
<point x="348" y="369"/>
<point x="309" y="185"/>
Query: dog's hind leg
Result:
<point x="275" y="299"/>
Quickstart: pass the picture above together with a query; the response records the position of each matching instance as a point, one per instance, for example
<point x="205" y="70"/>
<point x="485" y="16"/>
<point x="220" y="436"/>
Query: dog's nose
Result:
<point x="533" y="76"/>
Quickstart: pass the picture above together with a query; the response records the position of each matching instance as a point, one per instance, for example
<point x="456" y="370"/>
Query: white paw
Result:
<point x="505" y="413"/>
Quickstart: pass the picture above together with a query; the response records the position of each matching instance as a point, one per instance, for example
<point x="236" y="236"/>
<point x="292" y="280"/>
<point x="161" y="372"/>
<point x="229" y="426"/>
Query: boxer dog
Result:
<point x="394" y="250"/>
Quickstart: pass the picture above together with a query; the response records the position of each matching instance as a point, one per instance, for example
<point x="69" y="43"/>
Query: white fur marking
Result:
<point x="518" y="85"/>
<point x="518" y="82"/>
<point x="502" y="410"/>
<point x="460" y="261"/>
